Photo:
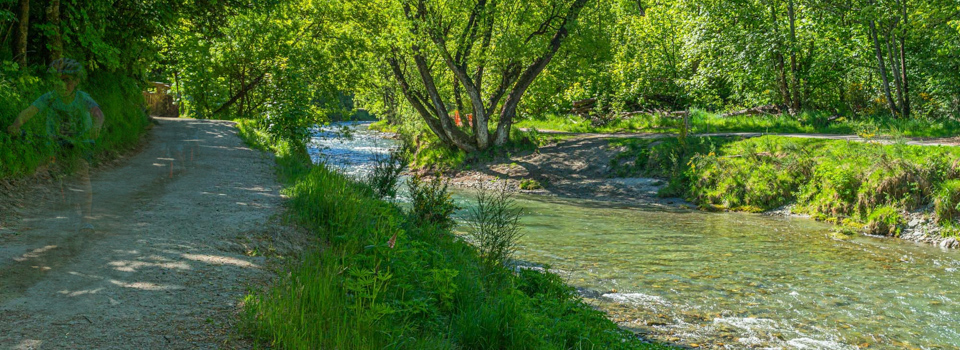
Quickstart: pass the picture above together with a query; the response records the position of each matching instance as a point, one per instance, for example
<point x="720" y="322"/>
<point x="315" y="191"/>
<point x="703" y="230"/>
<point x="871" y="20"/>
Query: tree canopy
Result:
<point x="490" y="63"/>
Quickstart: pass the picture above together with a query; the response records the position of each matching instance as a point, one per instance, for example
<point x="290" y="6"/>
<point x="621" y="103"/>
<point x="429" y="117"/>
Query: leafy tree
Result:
<point x="476" y="57"/>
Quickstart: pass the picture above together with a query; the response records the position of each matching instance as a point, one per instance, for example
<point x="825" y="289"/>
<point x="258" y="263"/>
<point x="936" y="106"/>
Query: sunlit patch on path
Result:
<point x="162" y="270"/>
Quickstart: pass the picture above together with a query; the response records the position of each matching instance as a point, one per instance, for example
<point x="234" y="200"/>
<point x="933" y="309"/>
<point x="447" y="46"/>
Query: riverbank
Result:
<point x="899" y="188"/>
<point x="384" y="279"/>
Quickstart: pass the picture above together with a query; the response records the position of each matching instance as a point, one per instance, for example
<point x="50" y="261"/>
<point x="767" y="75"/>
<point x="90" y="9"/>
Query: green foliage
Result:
<point x="432" y="203"/>
<point x="947" y="203"/>
<point x="530" y="184"/>
<point x="390" y="280"/>
<point x="885" y="220"/>
<point x="495" y="227"/>
<point x="385" y="175"/>
<point x="835" y="180"/>
<point x="755" y="176"/>
<point x="708" y="122"/>
<point x="119" y="98"/>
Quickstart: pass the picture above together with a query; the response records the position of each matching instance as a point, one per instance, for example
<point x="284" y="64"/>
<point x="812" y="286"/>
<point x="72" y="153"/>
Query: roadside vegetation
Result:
<point x="866" y="186"/>
<point x="20" y="156"/>
<point x="399" y="279"/>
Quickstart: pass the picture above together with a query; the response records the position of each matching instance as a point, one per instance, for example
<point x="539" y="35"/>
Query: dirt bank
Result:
<point x="577" y="168"/>
<point x="180" y="234"/>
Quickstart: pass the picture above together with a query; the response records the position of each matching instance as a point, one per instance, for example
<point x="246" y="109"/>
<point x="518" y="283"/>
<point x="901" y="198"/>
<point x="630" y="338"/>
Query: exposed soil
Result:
<point x="576" y="168"/>
<point x="181" y="230"/>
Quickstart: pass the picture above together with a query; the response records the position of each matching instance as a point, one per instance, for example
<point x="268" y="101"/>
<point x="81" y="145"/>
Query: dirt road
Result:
<point x="170" y="258"/>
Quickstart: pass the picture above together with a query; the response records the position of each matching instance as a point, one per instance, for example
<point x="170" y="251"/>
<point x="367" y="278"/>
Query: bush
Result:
<point x="885" y="221"/>
<point x="530" y="184"/>
<point x="947" y="203"/>
<point x="120" y="98"/>
<point x="432" y="203"/>
<point x="385" y="176"/>
<point x="494" y="221"/>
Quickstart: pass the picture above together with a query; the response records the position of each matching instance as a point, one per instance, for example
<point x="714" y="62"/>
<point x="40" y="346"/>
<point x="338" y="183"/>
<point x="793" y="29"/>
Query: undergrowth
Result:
<point x="120" y="98"/>
<point x="390" y="279"/>
<point x="865" y="184"/>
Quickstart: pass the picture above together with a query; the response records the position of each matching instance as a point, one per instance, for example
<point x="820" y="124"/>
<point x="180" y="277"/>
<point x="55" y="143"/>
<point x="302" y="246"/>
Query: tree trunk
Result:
<point x="418" y="102"/>
<point x="783" y="84"/>
<point x="794" y="70"/>
<point x="176" y="76"/>
<point x="895" y="68"/>
<point x="530" y="74"/>
<point x="903" y="62"/>
<point x="243" y="91"/>
<point x="458" y="137"/>
<point x="20" y="48"/>
<point x="55" y="39"/>
<point x="883" y="69"/>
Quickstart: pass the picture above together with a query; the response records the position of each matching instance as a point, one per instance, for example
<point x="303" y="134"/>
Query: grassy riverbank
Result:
<point x="708" y="122"/>
<point x="864" y="186"/>
<point x="388" y="280"/>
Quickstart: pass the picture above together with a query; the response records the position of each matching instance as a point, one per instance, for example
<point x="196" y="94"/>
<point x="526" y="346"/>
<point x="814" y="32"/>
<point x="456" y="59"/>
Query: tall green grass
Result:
<point x="389" y="281"/>
<point x="119" y="97"/>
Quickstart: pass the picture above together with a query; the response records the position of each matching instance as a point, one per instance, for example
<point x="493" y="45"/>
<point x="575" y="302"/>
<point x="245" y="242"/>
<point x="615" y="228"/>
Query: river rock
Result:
<point x="949" y="243"/>
<point x="914" y="222"/>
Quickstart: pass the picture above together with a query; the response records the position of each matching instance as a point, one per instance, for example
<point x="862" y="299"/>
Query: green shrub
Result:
<point x="495" y="226"/>
<point x="947" y="203"/>
<point x="385" y="175"/>
<point x="751" y="175"/>
<point x="885" y="221"/>
<point x="432" y="203"/>
<point x="120" y="98"/>
<point x="530" y="184"/>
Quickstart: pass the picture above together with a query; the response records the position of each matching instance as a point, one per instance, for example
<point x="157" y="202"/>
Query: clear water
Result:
<point x="732" y="280"/>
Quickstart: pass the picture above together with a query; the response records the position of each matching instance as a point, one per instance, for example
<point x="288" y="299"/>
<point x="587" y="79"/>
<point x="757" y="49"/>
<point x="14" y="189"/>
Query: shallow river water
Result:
<point x="728" y="280"/>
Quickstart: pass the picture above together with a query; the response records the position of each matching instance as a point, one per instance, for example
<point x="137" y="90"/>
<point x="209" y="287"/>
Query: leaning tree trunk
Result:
<point x="512" y="101"/>
<point x="20" y="48"/>
<point x="883" y="69"/>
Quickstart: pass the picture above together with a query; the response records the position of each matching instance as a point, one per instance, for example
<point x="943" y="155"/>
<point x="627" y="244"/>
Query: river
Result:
<point x="725" y="280"/>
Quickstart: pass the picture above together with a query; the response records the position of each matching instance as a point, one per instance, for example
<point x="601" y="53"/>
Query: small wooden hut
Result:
<point x="159" y="101"/>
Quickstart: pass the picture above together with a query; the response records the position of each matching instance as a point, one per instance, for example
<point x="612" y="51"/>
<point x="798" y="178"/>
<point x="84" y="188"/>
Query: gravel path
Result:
<point x="171" y="257"/>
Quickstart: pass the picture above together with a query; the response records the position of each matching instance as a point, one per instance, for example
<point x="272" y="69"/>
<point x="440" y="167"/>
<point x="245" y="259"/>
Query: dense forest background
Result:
<point x="294" y="63"/>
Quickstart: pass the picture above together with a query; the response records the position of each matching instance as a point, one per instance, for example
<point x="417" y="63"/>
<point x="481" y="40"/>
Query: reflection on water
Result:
<point x="731" y="280"/>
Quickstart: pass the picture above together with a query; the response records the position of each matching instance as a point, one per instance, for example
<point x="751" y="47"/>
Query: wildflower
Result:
<point x="392" y="241"/>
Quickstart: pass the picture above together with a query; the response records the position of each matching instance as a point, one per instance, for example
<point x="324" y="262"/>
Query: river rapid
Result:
<point x="722" y="280"/>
